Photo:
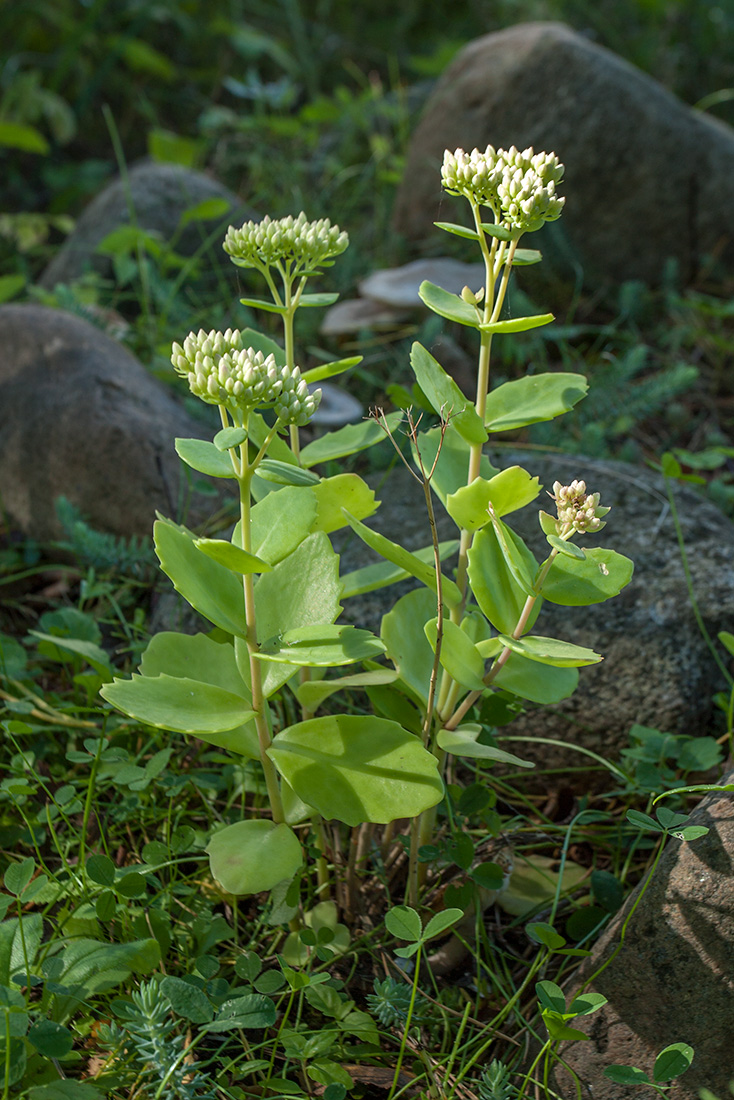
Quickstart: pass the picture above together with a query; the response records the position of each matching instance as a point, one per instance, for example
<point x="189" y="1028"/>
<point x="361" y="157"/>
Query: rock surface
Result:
<point x="673" y="980"/>
<point x="80" y="416"/>
<point x="657" y="670"/>
<point x="647" y="178"/>
<point x="398" y="286"/>
<point x="160" y="194"/>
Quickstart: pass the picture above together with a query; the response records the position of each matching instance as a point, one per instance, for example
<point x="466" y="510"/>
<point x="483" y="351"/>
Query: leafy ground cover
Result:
<point x="125" y="971"/>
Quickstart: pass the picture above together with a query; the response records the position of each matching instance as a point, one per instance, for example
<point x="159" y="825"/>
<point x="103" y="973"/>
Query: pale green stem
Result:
<point x="259" y="702"/>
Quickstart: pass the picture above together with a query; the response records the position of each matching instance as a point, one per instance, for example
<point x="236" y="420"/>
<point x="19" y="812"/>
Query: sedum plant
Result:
<point x="273" y="591"/>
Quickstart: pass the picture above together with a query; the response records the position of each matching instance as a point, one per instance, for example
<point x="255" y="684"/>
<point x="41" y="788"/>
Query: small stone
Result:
<point x="398" y="286"/>
<point x="353" y="315"/>
<point x="337" y="408"/>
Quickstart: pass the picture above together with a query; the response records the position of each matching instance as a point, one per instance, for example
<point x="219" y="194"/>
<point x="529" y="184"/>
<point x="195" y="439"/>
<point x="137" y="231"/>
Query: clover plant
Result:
<point x="273" y="592"/>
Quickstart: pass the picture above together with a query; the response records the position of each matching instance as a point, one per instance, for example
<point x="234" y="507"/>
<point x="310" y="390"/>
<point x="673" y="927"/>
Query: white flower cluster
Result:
<point x="221" y="371"/>
<point x="306" y="244"/>
<point x="577" y="510"/>
<point x="520" y="187"/>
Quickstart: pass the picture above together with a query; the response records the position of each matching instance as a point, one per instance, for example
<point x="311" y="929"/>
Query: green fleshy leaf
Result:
<point x="331" y="370"/>
<point x="302" y="590"/>
<point x="601" y="575"/>
<point x="281" y="521"/>
<point x="343" y="491"/>
<point x="406" y="644"/>
<point x="519" y="560"/>
<point x="181" y="705"/>
<point x="495" y="588"/>
<point x="533" y="399"/>
<point x="312" y="693"/>
<point x="458" y="230"/>
<point x="263" y="303"/>
<point x="322" y="646"/>
<point x="318" y="300"/>
<point x="458" y="655"/>
<point x="403" y="558"/>
<point x="226" y="438"/>
<point x="463" y="742"/>
<point x="570" y="549"/>
<point x="285" y="473"/>
<point x="252" y="856"/>
<point x="230" y="556"/>
<point x="453" y="461"/>
<point x="199" y="657"/>
<point x="523" y="257"/>
<point x="517" y="324"/>
<point x="507" y="491"/>
<point x="445" y="396"/>
<point x="551" y="651"/>
<point x="536" y="682"/>
<point x="449" y="305"/>
<point x="497" y="231"/>
<point x="347" y="440"/>
<point x="356" y="768"/>
<point x="204" y="457"/>
<point x="209" y="587"/>
<point x="384" y="573"/>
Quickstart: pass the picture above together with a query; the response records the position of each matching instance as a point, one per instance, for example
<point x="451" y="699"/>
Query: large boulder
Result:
<point x="673" y="980"/>
<point x="647" y="178"/>
<point x="657" y="670"/>
<point x="157" y="195"/>
<point x="81" y="417"/>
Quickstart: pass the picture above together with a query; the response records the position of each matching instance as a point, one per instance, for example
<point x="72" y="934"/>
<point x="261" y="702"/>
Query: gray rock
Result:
<point x="159" y="194"/>
<point x="673" y="980"/>
<point x="80" y="416"/>
<point x="657" y="670"/>
<point x="647" y="178"/>
<point x="398" y="286"/>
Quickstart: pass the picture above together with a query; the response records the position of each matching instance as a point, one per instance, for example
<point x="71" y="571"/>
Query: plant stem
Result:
<point x="259" y="702"/>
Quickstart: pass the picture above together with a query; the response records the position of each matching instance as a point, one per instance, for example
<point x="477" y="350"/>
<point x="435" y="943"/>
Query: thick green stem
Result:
<point x="259" y="703"/>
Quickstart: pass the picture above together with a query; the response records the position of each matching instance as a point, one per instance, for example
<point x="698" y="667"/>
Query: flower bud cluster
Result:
<point x="221" y="371"/>
<point x="306" y="244"/>
<point x="295" y="404"/>
<point x="520" y="187"/>
<point x="577" y="510"/>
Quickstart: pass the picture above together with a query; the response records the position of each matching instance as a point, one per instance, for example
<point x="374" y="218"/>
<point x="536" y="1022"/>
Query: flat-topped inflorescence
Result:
<point x="294" y="241"/>
<point x="577" y="510"/>
<point x="221" y="371"/>
<point x="520" y="187"/>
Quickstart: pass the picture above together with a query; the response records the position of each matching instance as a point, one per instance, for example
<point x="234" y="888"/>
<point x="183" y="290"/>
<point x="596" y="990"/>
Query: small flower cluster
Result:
<point x="577" y="510"/>
<point x="520" y="187"/>
<point x="292" y="240"/>
<point x="221" y="371"/>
